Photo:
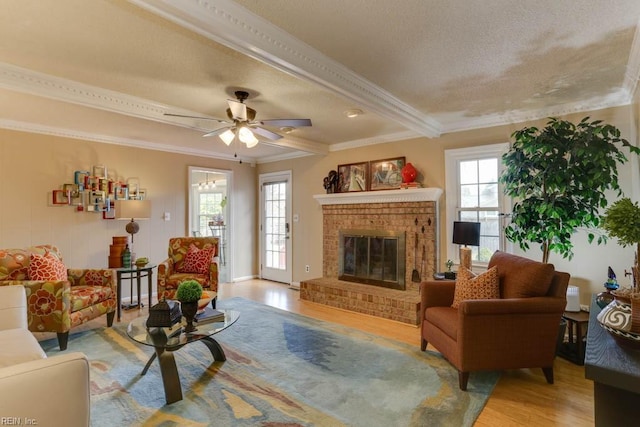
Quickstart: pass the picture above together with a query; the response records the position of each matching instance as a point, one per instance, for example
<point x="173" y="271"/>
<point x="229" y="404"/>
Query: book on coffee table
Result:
<point x="209" y="315"/>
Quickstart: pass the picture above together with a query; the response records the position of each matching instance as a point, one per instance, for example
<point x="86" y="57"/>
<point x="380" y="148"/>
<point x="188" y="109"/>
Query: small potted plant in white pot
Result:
<point x="189" y="293"/>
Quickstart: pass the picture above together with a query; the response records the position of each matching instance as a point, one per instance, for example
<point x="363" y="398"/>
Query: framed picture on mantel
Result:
<point x="352" y="177"/>
<point x="385" y="174"/>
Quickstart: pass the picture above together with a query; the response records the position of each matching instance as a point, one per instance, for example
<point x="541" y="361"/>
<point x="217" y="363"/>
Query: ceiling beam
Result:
<point x="233" y="26"/>
<point x="52" y="87"/>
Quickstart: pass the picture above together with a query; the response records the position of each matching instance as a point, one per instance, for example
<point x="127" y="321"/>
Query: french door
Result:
<point x="275" y="227"/>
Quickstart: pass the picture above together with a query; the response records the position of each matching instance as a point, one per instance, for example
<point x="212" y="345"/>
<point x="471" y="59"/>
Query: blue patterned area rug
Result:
<point x="282" y="369"/>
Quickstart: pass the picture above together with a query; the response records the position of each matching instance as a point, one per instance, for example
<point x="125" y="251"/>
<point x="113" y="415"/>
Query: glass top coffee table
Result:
<point x="165" y="341"/>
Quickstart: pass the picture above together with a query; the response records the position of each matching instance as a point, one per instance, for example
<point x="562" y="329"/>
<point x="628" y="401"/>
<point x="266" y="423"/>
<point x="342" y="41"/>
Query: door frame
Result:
<point x="280" y="176"/>
<point x="228" y="219"/>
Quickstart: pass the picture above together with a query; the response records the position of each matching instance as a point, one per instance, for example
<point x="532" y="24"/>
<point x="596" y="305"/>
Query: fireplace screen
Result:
<point x="372" y="257"/>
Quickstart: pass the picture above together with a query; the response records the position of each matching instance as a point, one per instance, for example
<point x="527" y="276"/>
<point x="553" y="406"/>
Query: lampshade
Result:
<point x="466" y="233"/>
<point x="133" y="209"/>
<point x="247" y="137"/>
<point x="227" y="136"/>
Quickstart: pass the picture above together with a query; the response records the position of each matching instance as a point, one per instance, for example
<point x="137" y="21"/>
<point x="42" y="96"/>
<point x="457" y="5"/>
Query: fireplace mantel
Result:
<point x="383" y="196"/>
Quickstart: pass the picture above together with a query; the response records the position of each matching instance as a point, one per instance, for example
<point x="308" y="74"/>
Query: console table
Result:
<point x="615" y="371"/>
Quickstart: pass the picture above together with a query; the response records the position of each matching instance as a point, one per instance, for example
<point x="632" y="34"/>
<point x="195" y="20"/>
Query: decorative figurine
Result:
<point x="330" y="182"/>
<point x="604" y="298"/>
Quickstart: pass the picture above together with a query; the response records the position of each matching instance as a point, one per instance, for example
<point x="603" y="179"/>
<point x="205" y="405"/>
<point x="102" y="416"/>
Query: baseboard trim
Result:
<point x="295" y="286"/>
<point x="245" y="278"/>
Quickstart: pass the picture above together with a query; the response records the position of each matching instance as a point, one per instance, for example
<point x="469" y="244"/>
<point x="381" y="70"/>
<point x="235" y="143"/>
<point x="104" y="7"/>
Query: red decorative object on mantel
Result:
<point x="409" y="173"/>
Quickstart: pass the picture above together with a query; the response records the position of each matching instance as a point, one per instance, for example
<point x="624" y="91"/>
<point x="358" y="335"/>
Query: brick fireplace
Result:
<point x="386" y="211"/>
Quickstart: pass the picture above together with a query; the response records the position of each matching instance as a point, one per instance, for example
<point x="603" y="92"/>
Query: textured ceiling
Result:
<point x="108" y="70"/>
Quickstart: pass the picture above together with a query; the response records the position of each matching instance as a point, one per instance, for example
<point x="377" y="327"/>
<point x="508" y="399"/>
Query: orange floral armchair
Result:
<point x="58" y="299"/>
<point x="189" y="258"/>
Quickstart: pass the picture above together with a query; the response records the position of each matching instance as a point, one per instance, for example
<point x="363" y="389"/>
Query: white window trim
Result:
<point x="451" y="159"/>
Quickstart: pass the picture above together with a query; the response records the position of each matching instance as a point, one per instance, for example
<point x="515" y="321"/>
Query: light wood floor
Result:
<point x="521" y="397"/>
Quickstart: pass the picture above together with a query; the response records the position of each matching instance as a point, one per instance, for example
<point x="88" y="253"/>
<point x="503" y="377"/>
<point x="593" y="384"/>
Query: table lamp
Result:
<point x="466" y="233"/>
<point x="133" y="209"/>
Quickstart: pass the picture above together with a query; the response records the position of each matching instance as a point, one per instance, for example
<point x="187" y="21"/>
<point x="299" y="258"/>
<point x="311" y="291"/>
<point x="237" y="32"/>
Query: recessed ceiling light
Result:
<point x="353" y="113"/>
<point x="287" y="129"/>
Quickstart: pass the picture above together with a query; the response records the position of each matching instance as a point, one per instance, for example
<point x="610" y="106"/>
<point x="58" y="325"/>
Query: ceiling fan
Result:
<point x="242" y="123"/>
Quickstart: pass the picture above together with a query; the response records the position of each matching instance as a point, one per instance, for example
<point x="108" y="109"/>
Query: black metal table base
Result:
<point x="132" y="306"/>
<point x="169" y="370"/>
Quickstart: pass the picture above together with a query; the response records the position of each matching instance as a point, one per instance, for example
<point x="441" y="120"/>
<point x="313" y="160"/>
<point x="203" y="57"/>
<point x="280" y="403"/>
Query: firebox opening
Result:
<point x="373" y="257"/>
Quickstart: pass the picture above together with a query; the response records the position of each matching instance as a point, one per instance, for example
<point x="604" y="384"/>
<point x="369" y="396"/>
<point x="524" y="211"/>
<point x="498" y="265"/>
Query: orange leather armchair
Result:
<point x="174" y="270"/>
<point x="518" y="330"/>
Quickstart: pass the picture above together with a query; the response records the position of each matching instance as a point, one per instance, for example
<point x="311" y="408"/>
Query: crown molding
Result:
<point x="48" y="86"/>
<point x="618" y="99"/>
<point x="286" y="156"/>
<point x="32" y="82"/>
<point x="632" y="73"/>
<point x="375" y="140"/>
<point x="106" y="139"/>
<point x="231" y="25"/>
<point x="300" y="144"/>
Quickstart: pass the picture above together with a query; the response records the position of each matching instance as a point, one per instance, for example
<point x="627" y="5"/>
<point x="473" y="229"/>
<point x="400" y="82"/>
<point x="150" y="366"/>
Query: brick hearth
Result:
<point x="373" y="300"/>
<point x="393" y="210"/>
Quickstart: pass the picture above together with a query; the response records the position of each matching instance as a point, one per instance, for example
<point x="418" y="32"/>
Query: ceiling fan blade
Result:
<point x="216" y="132"/>
<point x="195" y="117"/>
<point x="238" y="110"/>
<point x="266" y="133"/>
<point x="286" y="122"/>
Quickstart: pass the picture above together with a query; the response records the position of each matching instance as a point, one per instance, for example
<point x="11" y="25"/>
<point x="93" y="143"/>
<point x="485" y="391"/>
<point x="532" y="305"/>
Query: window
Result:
<point x="208" y="207"/>
<point x="474" y="194"/>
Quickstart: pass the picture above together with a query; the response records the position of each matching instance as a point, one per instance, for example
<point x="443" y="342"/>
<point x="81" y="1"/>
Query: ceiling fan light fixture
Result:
<point x="353" y="113"/>
<point x="227" y="136"/>
<point x="252" y="144"/>
<point x="246" y="136"/>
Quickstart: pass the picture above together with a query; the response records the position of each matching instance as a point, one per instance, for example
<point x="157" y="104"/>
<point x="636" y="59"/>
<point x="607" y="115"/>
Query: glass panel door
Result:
<point x="275" y="228"/>
<point x="209" y="213"/>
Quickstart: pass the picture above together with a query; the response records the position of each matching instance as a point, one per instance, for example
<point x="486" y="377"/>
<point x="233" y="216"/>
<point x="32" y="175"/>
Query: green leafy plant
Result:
<point x="622" y="221"/>
<point x="189" y="291"/>
<point x="558" y="176"/>
<point x="449" y="264"/>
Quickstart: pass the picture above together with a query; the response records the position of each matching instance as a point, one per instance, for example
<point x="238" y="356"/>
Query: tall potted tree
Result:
<point x="558" y="176"/>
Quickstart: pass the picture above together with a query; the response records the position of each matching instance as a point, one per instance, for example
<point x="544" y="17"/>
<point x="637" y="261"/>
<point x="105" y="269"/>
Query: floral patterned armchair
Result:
<point x="189" y="258"/>
<point x="58" y="299"/>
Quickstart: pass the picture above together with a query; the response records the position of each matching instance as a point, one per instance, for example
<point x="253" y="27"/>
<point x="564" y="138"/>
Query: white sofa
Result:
<point x="35" y="389"/>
